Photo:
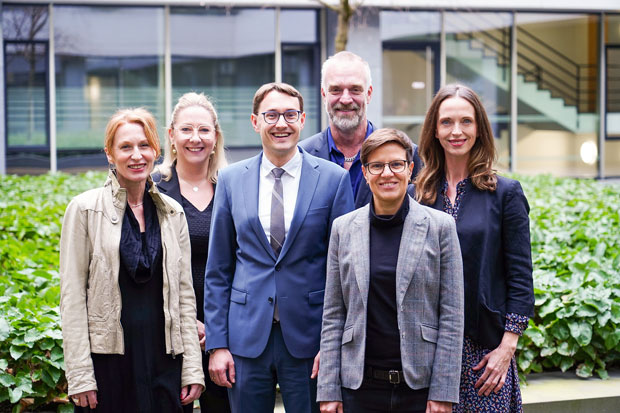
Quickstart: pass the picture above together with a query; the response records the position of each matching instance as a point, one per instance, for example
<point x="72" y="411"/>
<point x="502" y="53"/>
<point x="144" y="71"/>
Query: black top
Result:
<point x="145" y="378"/>
<point x="382" y="334"/>
<point x="198" y="223"/>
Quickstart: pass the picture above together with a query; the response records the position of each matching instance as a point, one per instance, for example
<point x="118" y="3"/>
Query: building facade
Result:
<point x="549" y="78"/>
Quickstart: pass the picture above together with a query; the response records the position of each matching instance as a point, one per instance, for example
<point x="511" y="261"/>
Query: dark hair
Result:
<point x="482" y="154"/>
<point x="285" y="88"/>
<point x="382" y="136"/>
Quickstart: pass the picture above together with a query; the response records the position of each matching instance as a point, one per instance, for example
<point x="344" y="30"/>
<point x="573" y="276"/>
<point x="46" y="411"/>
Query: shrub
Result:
<point x="575" y="230"/>
<point x="31" y="358"/>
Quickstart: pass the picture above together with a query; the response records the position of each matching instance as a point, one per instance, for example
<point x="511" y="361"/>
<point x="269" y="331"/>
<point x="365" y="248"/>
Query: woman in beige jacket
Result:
<point x="127" y="302"/>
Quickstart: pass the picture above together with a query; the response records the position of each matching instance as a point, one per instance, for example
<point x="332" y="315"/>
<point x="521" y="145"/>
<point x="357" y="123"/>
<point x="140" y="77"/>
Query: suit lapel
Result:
<point x="251" y="176"/>
<point x="411" y="246"/>
<point x="360" y="240"/>
<point x="309" y="177"/>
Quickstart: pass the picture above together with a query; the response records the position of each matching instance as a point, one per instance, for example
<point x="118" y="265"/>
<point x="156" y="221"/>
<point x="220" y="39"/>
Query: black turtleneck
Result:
<point x="382" y="335"/>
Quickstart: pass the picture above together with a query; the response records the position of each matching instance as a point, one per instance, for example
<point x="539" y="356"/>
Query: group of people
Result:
<point x="358" y="271"/>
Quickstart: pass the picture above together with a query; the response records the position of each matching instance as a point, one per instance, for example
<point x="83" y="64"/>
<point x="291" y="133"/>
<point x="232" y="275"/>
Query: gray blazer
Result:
<point x="429" y="294"/>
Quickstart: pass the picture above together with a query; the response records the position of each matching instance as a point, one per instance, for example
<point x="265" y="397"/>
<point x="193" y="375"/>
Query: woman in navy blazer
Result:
<point x="491" y="213"/>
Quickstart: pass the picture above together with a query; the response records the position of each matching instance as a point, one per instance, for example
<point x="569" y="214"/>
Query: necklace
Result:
<point x="194" y="187"/>
<point x="136" y="205"/>
<point x="350" y="158"/>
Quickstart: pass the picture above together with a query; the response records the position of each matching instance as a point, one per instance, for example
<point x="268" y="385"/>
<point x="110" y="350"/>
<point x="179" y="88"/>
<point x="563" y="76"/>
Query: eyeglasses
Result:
<point x="290" y="116"/>
<point x="377" y="168"/>
<point x="188" y="130"/>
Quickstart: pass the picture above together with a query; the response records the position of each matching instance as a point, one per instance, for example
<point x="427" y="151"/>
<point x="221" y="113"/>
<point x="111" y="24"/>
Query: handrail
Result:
<point x="547" y="46"/>
<point x="536" y="58"/>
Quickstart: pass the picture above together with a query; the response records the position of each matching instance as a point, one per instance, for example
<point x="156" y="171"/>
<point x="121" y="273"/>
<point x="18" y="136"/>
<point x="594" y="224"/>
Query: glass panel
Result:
<point x="612" y="144"/>
<point x="478" y="55"/>
<point x="298" y="26"/>
<point x="300" y="62"/>
<point x="106" y="58"/>
<point x="409" y="75"/>
<point x="25" y="30"/>
<point x="25" y="22"/>
<point x="26" y="94"/>
<point x="557" y="93"/>
<point x="408" y="86"/>
<point x="234" y="59"/>
<point x="300" y="68"/>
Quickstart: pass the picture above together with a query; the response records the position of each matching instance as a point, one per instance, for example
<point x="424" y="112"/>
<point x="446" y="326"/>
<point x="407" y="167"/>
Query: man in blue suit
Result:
<point x="265" y="277"/>
<point x="346" y="88"/>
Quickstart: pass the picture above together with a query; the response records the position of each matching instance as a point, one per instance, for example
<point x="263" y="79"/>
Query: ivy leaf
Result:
<point x="5" y="329"/>
<point x="17" y="352"/>
<point x="582" y="332"/>
<point x="584" y="370"/>
<point x="65" y="408"/>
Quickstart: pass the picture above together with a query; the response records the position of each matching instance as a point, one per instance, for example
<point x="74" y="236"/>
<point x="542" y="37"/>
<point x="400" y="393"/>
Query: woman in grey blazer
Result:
<point x="393" y="314"/>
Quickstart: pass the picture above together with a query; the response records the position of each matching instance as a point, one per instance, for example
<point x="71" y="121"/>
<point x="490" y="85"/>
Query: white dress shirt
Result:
<point x="290" y="187"/>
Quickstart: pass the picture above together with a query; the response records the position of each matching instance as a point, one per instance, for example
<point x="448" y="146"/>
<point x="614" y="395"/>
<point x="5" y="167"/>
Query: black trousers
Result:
<point x="378" y="396"/>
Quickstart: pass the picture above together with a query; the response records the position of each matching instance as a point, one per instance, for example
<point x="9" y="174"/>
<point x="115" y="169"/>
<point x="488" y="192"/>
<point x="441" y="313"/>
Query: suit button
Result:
<point x="270" y="299"/>
<point x="403" y="334"/>
<point x="278" y="267"/>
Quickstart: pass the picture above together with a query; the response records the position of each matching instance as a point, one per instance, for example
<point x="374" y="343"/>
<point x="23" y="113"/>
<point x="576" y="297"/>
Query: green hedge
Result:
<point x="575" y="249"/>
<point x="31" y="359"/>
<point x="575" y="229"/>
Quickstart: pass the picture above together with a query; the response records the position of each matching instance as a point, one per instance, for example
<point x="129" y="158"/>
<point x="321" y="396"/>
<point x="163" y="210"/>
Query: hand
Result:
<point x="86" y="398"/>
<point x="497" y="363"/>
<point x="201" y="334"/>
<point x="433" y="406"/>
<point x="220" y="363"/>
<point x="315" y="365"/>
<point x="190" y="393"/>
<point x="331" y="407"/>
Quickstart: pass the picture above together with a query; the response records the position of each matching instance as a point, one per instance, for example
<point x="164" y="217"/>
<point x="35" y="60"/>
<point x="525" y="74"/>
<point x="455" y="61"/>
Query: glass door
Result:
<point x="410" y="80"/>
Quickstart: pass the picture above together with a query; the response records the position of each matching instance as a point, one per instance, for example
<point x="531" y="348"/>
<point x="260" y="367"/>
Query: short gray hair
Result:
<point x="345" y="56"/>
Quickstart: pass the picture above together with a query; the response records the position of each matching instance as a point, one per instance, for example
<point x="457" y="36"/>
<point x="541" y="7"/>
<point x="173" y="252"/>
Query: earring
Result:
<point x="111" y="166"/>
<point x="173" y="150"/>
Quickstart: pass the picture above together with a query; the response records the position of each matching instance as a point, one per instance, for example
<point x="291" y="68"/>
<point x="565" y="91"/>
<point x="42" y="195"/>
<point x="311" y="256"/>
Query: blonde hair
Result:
<point x="218" y="158"/>
<point x="482" y="154"/>
<point x="139" y="116"/>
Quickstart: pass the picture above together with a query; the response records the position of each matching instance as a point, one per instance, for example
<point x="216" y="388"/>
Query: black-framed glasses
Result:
<point x="188" y="130"/>
<point x="377" y="168"/>
<point x="290" y="116"/>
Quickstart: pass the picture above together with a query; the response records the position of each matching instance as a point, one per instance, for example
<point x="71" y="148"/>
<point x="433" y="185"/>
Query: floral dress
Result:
<point x="508" y="399"/>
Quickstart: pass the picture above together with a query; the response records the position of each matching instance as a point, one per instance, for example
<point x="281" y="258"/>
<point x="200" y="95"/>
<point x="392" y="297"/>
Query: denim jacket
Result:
<point x="90" y="297"/>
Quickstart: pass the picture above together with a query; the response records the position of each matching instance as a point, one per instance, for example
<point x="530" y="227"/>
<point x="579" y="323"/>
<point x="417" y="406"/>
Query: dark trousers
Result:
<point x="254" y="390"/>
<point x="378" y="396"/>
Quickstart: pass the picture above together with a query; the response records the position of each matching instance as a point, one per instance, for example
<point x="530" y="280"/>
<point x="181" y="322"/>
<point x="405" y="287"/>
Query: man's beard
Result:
<point x="345" y="122"/>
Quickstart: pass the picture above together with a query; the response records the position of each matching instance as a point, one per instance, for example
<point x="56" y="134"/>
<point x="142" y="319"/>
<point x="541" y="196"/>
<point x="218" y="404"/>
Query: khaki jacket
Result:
<point x="90" y="297"/>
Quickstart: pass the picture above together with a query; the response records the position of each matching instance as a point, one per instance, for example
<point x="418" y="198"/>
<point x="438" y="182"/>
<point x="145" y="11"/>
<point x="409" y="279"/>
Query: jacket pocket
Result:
<point x="347" y="335"/>
<point x="98" y="299"/>
<point x="316" y="297"/>
<point x="429" y="333"/>
<point x="237" y="296"/>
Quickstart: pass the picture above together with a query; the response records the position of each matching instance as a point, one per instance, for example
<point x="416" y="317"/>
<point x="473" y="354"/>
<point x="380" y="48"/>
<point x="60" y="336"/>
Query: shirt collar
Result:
<point x="330" y="139"/>
<point x="292" y="167"/>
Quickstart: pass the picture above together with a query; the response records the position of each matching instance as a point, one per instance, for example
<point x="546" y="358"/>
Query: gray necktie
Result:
<point x="276" y="228"/>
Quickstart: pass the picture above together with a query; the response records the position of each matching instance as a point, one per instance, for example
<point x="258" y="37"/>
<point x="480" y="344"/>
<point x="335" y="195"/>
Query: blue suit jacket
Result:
<point x="244" y="276"/>
<point x="318" y="146"/>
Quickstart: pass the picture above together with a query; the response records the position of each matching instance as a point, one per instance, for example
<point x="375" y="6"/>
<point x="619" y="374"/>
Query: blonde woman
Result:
<point x="127" y="307"/>
<point x="194" y="154"/>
